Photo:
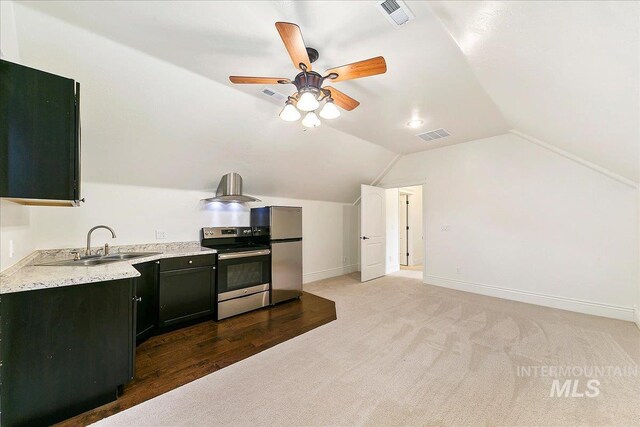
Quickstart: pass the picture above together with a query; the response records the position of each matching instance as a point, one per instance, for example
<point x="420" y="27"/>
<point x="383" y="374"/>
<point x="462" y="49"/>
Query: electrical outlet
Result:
<point x="161" y="234"/>
<point x="444" y="228"/>
<point x="458" y="270"/>
<point x="344" y="259"/>
<point x="12" y="251"/>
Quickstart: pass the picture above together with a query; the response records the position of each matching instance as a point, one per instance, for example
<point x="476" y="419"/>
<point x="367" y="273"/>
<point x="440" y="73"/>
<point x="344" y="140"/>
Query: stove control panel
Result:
<point x="222" y="232"/>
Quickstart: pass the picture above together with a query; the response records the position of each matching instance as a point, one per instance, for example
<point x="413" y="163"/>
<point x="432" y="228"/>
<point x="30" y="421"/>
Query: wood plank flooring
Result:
<point x="168" y="361"/>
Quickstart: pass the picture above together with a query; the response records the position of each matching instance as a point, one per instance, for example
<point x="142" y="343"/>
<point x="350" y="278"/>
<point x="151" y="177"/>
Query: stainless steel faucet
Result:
<point x="88" y="250"/>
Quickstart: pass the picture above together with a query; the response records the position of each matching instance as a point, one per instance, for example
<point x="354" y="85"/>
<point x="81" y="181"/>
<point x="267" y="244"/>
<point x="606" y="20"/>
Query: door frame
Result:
<point x="423" y="183"/>
<point x="404" y="254"/>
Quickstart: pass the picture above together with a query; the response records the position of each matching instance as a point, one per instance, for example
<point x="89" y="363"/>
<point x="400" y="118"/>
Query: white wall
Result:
<point x="16" y="233"/>
<point x="527" y="224"/>
<point x="392" y="262"/>
<point x="135" y="213"/>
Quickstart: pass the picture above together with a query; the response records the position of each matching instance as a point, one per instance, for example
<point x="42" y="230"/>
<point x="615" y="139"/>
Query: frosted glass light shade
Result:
<point x="290" y="113"/>
<point x="311" y="120"/>
<point x="308" y="102"/>
<point x="329" y="111"/>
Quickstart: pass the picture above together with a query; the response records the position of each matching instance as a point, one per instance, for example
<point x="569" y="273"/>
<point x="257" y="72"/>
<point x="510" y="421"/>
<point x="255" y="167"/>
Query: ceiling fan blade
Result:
<point x="357" y="70"/>
<point x="342" y="100"/>
<point x="259" y="80"/>
<point x="293" y="41"/>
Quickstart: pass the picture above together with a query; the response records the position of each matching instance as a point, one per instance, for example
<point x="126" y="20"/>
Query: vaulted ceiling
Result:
<point x="566" y="72"/>
<point x="161" y="111"/>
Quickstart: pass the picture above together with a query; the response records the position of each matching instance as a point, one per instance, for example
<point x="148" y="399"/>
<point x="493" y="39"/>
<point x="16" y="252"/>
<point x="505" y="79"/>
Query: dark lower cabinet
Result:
<point x="65" y="350"/>
<point x="146" y="300"/>
<point x="186" y="293"/>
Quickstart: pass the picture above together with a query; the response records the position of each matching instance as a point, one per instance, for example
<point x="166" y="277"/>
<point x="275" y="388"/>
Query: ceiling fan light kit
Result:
<point x="311" y="120"/>
<point x="308" y="101"/>
<point x="289" y="113"/>
<point x="308" y="83"/>
<point x="329" y="111"/>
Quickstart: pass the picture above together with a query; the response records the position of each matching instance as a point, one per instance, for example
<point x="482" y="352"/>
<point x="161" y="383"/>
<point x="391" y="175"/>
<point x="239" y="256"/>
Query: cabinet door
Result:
<point x="64" y="350"/>
<point x="185" y="295"/>
<point x="39" y="138"/>
<point x="146" y="300"/>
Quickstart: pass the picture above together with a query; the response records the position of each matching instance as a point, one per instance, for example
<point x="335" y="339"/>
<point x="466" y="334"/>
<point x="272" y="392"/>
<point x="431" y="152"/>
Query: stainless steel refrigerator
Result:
<point x="281" y="227"/>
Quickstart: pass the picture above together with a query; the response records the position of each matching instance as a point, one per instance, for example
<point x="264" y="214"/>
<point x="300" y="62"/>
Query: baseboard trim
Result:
<point x="331" y="272"/>
<point x="637" y="316"/>
<point x="563" y="303"/>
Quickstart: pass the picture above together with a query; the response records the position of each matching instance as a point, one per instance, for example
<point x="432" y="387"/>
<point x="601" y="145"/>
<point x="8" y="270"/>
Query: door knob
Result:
<point x="365" y="238"/>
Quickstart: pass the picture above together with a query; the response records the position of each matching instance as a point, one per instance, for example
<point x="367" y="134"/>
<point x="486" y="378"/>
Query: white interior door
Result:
<point x="403" y="247"/>
<point x="372" y="232"/>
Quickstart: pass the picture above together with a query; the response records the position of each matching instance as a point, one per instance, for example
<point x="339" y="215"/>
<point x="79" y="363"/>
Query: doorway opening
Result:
<point x="392" y="224"/>
<point x="410" y="236"/>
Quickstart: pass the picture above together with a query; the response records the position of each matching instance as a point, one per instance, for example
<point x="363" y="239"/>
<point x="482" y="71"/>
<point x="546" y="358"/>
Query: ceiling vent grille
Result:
<point x="273" y="94"/>
<point x="433" y="134"/>
<point x="395" y="11"/>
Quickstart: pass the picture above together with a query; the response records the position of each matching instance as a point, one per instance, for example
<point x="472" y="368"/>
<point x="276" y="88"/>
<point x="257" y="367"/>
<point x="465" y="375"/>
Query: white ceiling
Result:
<point x="163" y="112"/>
<point x="427" y="74"/>
<point x="566" y="73"/>
<point x="146" y="122"/>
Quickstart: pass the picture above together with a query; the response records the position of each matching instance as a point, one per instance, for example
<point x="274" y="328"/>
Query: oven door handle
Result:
<point x="244" y="254"/>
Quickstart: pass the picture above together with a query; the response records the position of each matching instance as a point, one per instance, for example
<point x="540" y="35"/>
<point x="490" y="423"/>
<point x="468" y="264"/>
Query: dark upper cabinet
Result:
<point x="39" y="136"/>
<point x="146" y="300"/>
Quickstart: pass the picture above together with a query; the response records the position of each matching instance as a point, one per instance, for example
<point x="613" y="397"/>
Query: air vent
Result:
<point x="396" y="12"/>
<point x="273" y="94"/>
<point x="433" y="134"/>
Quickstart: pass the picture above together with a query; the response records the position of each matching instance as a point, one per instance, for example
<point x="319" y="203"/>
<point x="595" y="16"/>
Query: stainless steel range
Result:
<point x="243" y="272"/>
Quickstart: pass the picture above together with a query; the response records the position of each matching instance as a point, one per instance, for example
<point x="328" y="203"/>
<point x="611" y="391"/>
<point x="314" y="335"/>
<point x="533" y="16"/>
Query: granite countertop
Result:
<point x="26" y="276"/>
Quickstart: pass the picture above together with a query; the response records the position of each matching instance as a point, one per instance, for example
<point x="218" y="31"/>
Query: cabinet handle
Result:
<point x="157" y="262"/>
<point x="190" y="262"/>
<point x="138" y="299"/>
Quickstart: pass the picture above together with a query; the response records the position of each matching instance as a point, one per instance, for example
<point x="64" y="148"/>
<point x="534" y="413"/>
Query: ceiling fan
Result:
<point x="308" y="83"/>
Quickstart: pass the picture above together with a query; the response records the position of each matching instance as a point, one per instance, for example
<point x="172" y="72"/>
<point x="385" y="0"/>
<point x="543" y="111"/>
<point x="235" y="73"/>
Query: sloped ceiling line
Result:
<point x="576" y="159"/>
<point x="381" y="175"/>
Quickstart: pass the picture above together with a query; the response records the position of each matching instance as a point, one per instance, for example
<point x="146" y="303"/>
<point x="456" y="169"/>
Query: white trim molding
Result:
<point x="563" y="303"/>
<point x="331" y="272"/>
<point x="637" y="316"/>
<point x="576" y="159"/>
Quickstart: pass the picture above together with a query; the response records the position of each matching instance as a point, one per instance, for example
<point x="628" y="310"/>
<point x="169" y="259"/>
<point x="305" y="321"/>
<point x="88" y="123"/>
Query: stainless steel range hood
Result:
<point x="230" y="190"/>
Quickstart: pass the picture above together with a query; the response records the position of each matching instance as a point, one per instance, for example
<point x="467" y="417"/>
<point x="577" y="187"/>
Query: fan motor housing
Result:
<point x="308" y="79"/>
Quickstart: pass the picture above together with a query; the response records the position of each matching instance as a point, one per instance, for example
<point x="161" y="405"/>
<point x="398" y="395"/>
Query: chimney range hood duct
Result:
<point x="230" y="190"/>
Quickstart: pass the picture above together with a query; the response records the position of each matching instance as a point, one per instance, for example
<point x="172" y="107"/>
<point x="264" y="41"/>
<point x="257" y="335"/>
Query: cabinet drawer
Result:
<point x="187" y="262"/>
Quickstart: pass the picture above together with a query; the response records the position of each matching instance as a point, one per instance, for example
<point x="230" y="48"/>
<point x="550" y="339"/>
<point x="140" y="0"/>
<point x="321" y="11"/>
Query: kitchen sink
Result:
<point x="98" y="260"/>
<point x="129" y="255"/>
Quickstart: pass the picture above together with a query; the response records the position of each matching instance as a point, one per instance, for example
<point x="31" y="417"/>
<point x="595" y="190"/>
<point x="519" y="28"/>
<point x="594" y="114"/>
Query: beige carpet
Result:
<point x="405" y="353"/>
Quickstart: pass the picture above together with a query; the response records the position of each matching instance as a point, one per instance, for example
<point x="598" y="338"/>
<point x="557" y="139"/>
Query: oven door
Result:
<point x="243" y="273"/>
